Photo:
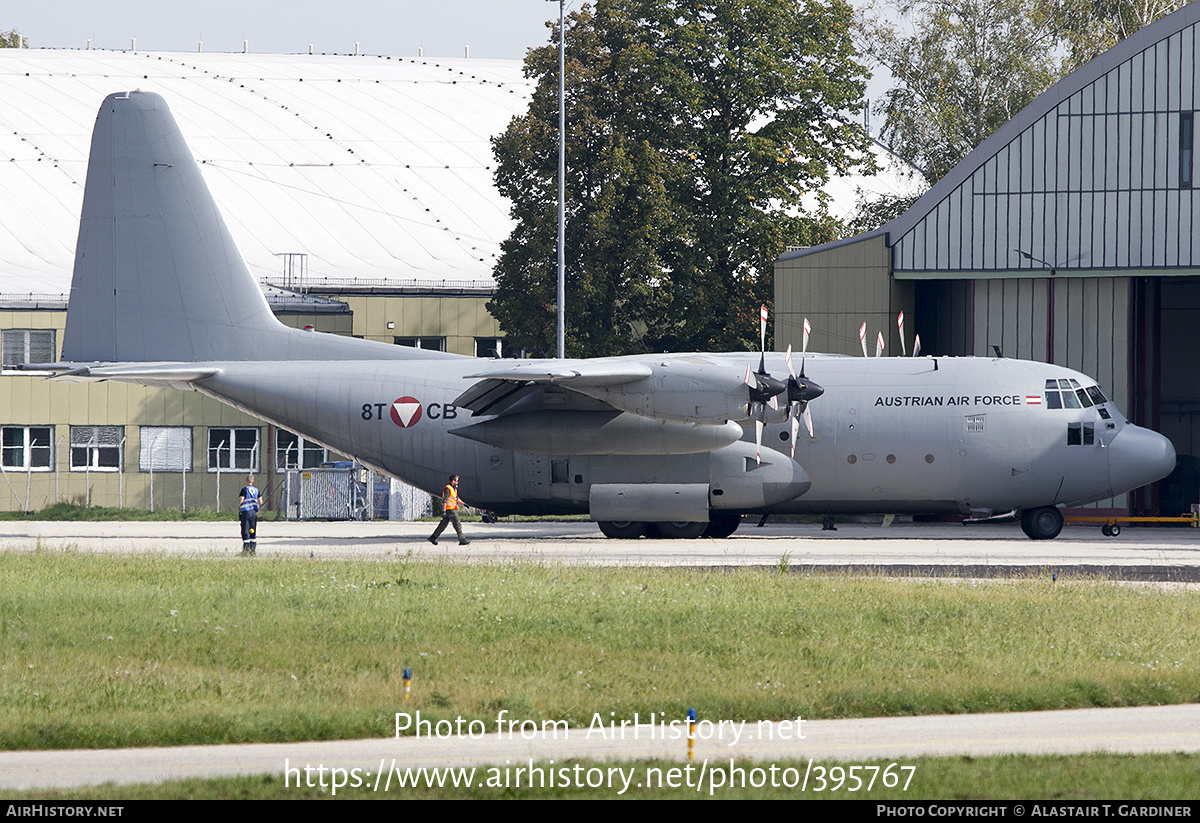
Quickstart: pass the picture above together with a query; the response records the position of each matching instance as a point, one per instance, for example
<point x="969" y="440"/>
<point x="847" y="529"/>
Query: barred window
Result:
<point x="27" y="448"/>
<point x="232" y="450"/>
<point x="96" y="448"/>
<point x="26" y="346"/>
<point x="166" y="449"/>
<point x="294" y="452"/>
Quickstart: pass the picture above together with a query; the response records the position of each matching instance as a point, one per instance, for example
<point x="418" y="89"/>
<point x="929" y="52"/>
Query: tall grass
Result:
<point x="120" y="651"/>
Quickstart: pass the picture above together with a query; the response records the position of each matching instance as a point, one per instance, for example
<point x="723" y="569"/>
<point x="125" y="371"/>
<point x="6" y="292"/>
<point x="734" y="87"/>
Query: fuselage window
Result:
<point x="1081" y="434"/>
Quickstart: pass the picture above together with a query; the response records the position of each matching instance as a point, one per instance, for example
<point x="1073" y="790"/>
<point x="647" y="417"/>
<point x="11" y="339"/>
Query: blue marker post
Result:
<point x="407" y="682"/>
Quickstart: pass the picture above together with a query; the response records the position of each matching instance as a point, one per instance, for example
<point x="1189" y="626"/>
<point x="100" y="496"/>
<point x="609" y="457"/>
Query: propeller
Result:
<point x="763" y="388"/>
<point x="862" y="337"/>
<point x="800" y="391"/>
<point x="900" y="326"/>
<point x="879" y="345"/>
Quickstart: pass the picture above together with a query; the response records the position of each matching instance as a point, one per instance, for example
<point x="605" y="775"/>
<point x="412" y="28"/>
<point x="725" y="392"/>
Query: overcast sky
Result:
<point x="492" y="28"/>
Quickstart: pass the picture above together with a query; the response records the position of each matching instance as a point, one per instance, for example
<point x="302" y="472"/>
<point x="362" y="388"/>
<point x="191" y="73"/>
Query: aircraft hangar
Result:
<point x="1067" y="237"/>
<point x="358" y="188"/>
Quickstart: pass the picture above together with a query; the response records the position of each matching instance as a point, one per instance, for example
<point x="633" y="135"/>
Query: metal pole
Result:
<point x="87" y="474"/>
<point x="121" y="474"/>
<point x="562" y="177"/>
<point x="153" y="445"/>
<point x="219" y="447"/>
<point x="183" y="467"/>
<point x="57" y="452"/>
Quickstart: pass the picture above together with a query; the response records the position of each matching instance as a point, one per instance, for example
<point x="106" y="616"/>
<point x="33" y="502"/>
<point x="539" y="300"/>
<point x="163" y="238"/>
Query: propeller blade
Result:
<point x="879" y="346"/>
<point x="807" y="332"/>
<point x="807" y="415"/>
<point x="787" y="358"/>
<point x="758" y="430"/>
<point x="900" y="325"/>
<point x="917" y="346"/>
<point x="795" y="431"/>
<point x="862" y="337"/>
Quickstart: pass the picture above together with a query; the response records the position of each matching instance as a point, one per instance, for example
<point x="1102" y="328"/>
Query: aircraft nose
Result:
<point x="1139" y="456"/>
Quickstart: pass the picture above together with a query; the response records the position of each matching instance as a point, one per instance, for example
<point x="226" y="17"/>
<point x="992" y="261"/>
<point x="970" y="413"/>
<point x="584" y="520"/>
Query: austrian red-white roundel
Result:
<point x="406" y="411"/>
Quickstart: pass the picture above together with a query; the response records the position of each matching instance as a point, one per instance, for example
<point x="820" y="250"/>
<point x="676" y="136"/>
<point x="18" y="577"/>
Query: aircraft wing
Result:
<point x="571" y="372"/>
<point x="500" y="389"/>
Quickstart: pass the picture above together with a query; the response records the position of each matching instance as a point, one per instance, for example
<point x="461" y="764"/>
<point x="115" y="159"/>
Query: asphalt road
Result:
<point x="979" y="550"/>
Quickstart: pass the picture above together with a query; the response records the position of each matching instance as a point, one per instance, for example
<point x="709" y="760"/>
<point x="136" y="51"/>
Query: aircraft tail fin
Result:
<point x="157" y="274"/>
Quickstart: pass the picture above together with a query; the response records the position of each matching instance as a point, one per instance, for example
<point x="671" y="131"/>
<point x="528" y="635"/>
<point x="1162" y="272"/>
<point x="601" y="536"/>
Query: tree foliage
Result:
<point x="963" y="68"/>
<point x="693" y="131"/>
<point x="11" y="39"/>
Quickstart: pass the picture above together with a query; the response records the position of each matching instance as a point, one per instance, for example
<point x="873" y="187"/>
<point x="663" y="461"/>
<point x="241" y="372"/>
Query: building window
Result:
<point x="489" y="346"/>
<point x="232" y="450"/>
<point x="26" y="346"/>
<point x="294" y="452"/>
<point x="1186" y="142"/>
<point x="27" y="448"/>
<point x="429" y="343"/>
<point x="96" y="448"/>
<point x="166" y="449"/>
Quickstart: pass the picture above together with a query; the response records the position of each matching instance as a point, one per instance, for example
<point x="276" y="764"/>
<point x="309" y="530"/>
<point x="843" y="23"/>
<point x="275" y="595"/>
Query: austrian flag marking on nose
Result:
<point x="1033" y="400"/>
<point x="406" y="411"/>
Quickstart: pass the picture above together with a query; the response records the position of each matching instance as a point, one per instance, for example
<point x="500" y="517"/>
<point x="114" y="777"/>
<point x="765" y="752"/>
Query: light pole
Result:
<point x="562" y="176"/>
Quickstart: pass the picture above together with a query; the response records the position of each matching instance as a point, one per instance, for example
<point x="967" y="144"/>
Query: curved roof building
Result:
<point x="377" y="168"/>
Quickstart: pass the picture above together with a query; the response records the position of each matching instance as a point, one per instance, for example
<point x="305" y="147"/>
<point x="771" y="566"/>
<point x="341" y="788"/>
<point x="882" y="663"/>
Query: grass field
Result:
<point x="121" y="651"/>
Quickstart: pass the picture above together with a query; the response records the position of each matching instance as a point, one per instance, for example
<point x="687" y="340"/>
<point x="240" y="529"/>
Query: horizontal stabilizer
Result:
<point x="164" y="375"/>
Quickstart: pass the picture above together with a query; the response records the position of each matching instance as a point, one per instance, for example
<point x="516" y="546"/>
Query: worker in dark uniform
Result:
<point x="450" y="512"/>
<point x="248" y="502"/>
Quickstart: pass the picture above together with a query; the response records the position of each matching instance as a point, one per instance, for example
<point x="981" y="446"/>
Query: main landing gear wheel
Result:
<point x="1110" y="530"/>
<point x="622" y="529"/>
<point x="681" y="529"/>
<point x="722" y="524"/>
<point x="1042" y="523"/>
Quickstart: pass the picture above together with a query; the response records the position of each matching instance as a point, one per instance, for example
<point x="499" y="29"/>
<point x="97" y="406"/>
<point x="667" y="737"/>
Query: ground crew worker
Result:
<point x="450" y="512"/>
<point x="248" y="502"/>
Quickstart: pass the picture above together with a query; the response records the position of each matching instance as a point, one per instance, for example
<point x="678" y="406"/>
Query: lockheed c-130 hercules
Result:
<point x="669" y="442"/>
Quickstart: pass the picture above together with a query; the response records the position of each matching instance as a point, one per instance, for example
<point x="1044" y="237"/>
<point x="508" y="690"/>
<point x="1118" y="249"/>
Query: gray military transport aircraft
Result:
<point x="668" y="443"/>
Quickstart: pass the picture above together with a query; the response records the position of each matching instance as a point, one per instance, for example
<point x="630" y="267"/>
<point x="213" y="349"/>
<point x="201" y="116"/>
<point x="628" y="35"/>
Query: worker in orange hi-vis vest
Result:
<point x="450" y="512"/>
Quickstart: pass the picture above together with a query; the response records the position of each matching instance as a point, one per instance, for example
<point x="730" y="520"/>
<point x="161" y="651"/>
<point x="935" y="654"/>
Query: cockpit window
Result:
<point x="1066" y="393"/>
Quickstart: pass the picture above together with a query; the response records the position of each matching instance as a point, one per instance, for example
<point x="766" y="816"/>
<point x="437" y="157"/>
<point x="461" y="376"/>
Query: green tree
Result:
<point x="963" y="68"/>
<point x="694" y="130"/>
<point x="11" y="39"/>
<point x="968" y="67"/>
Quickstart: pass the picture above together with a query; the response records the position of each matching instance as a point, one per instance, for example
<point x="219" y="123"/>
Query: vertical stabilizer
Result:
<point x="157" y="275"/>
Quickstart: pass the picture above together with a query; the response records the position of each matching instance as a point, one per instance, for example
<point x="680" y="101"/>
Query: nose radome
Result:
<point x="1139" y="456"/>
